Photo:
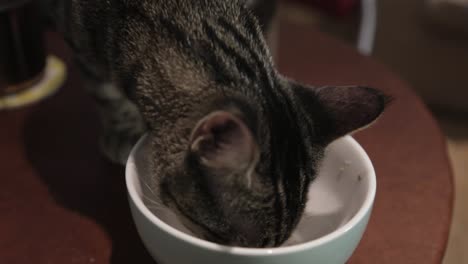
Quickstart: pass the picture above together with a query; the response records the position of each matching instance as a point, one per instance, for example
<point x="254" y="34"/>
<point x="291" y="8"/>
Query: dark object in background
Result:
<point x="448" y="16"/>
<point x="22" y="54"/>
<point x="333" y="7"/>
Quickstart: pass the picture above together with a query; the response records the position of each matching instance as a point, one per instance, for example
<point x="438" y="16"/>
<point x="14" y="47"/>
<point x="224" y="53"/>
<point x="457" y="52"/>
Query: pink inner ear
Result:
<point x="223" y="140"/>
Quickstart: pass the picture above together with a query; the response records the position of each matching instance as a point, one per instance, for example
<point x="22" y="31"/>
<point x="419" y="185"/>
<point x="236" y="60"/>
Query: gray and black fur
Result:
<point x="235" y="145"/>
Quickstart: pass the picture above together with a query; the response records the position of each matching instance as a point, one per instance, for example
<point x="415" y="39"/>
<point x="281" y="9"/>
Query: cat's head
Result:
<point x="244" y="173"/>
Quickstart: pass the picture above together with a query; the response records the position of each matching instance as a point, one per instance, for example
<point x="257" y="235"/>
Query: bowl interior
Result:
<point x="344" y="186"/>
<point x="344" y="183"/>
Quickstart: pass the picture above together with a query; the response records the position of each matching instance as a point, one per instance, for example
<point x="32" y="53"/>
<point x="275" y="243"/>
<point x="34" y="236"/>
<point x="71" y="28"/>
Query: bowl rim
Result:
<point x="207" y="245"/>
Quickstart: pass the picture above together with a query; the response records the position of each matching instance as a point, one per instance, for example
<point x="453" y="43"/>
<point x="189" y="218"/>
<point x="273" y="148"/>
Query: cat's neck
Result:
<point x="180" y="69"/>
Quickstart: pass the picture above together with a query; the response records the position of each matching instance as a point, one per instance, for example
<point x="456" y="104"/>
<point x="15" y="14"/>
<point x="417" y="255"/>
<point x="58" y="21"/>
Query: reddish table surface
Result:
<point x="61" y="202"/>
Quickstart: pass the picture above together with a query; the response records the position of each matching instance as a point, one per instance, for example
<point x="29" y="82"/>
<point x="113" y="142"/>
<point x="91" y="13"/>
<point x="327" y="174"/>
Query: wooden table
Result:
<point x="61" y="202"/>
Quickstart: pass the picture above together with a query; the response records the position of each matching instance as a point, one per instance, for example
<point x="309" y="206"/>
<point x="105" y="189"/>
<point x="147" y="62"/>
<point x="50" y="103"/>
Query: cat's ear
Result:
<point x="223" y="142"/>
<point x="340" y="110"/>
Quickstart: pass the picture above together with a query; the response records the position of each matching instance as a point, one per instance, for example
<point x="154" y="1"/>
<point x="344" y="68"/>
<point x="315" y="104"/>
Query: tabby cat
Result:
<point x="234" y="144"/>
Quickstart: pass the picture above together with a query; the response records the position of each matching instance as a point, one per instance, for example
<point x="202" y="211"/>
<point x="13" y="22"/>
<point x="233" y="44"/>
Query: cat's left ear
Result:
<point x="223" y="143"/>
<point x="340" y="110"/>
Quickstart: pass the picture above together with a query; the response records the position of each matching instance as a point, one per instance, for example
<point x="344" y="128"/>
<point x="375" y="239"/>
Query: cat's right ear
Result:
<point x="340" y="110"/>
<point x="223" y="143"/>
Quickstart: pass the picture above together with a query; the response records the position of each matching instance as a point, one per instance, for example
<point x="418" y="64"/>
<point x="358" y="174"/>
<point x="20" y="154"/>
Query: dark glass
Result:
<point x="22" y="54"/>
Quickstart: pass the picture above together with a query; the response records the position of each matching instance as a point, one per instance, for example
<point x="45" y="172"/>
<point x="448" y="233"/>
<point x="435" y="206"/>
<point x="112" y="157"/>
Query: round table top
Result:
<point x="61" y="202"/>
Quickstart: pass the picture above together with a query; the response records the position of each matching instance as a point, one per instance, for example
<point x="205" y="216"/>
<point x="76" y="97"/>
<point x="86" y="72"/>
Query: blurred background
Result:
<point x="425" y="42"/>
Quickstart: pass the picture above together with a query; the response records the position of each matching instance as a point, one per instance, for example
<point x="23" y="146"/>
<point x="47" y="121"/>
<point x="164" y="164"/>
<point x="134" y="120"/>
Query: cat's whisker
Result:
<point x="147" y="186"/>
<point x="155" y="207"/>
<point x="152" y="201"/>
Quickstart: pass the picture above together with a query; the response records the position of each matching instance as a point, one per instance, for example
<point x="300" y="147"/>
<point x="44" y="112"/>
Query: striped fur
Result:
<point x="177" y="61"/>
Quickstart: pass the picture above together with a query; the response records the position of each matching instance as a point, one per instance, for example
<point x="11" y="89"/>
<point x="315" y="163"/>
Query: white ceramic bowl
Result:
<point x="340" y="203"/>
